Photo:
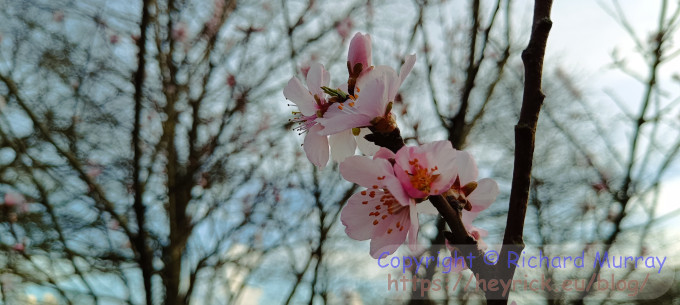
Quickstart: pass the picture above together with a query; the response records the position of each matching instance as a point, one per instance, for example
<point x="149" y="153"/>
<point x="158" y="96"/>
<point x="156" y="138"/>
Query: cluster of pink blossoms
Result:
<point x="397" y="184"/>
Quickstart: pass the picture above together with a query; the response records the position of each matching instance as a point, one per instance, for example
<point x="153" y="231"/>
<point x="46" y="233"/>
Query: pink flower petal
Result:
<point x="316" y="146"/>
<point x="384" y="153"/>
<point x="484" y="195"/>
<point x="442" y="155"/>
<point x="366" y="172"/>
<point x="395" y="187"/>
<point x="406" y="67"/>
<point x="355" y="216"/>
<point x="389" y="82"/>
<point x="390" y="241"/>
<point x="360" y="51"/>
<point x="342" y="145"/>
<point x="478" y="235"/>
<point x="14" y="199"/>
<point x="385" y="75"/>
<point x="299" y="95"/>
<point x="373" y="98"/>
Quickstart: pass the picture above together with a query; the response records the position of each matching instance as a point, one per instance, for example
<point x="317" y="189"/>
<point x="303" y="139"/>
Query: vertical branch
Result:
<point x="457" y="124"/>
<point x="525" y="132"/>
<point x="138" y="205"/>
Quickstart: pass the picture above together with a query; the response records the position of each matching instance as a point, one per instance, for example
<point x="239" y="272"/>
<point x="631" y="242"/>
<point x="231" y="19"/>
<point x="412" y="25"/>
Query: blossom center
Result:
<point x="422" y="177"/>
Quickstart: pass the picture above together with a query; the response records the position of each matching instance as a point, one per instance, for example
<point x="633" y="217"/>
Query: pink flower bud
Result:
<point x="360" y="52"/>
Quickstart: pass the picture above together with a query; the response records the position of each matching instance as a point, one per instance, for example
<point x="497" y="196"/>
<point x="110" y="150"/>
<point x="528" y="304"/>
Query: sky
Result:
<point x="583" y="37"/>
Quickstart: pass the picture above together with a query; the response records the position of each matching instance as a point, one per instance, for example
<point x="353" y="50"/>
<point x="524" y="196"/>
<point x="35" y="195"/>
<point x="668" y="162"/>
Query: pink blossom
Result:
<point x="373" y="96"/>
<point x="343" y="27"/>
<point x="179" y="32"/>
<point x="94" y="169"/>
<point x="386" y="211"/>
<point x="14" y="199"/>
<point x="476" y="196"/>
<point x="312" y="103"/>
<point x="304" y="68"/>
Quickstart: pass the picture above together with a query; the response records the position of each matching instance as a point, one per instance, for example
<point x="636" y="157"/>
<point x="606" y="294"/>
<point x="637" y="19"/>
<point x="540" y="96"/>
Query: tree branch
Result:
<point x="525" y="132"/>
<point x="138" y="205"/>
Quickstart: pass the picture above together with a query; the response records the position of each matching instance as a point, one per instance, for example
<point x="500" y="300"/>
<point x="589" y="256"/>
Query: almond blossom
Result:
<point x="386" y="211"/>
<point x="343" y="27"/>
<point x="14" y="199"/>
<point x="372" y="101"/>
<point x="312" y="103"/>
<point x="475" y="196"/>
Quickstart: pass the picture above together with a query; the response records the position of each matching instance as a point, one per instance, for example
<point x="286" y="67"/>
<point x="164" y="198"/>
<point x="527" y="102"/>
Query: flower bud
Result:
<point x="359" y="53"/>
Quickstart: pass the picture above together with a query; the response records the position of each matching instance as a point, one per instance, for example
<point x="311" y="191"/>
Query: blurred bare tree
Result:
<point x="142" y="153"/>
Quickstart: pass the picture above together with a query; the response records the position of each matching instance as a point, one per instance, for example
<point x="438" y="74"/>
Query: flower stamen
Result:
<point x="421" y="177"/>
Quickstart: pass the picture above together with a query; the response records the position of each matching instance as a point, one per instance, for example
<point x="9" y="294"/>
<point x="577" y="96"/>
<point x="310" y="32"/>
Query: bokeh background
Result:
<point x="178" y="179"/>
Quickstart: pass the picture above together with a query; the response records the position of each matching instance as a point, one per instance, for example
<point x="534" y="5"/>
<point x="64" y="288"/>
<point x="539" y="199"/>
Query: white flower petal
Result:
<point x="334" y="121"/>
<point x="357" y="217"/>
<point x="390" y="242"/>
<point x="415" y="225"/>
<point x="366" y="147"/>
<point x="407" y="67"/>
<point x="342" y="145"/>
<point x="316" y="78"/>
<point x="484" y="195"/>
<point x="316" y="146"/>
<point x="365" y="171"/>
<point x="299" y="95"/>
<point x="466" y="166"/>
